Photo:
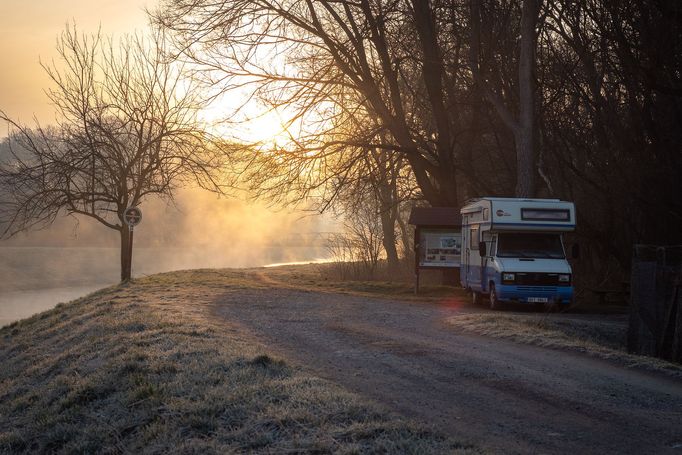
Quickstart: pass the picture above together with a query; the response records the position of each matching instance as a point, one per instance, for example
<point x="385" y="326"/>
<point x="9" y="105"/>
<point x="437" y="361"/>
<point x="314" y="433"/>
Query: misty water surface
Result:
<point x="15" y="305"/>
<point x="34" y="279"/>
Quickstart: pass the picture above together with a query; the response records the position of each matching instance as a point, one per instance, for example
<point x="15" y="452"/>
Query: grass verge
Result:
<point x="142" y="368"/>
<point x="603" y="337"/>
<point x="314" y="277"/>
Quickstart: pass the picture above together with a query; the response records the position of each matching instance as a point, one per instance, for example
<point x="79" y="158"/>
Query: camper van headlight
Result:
<point x="564" y="278"/>
<point x="508" y="277"/>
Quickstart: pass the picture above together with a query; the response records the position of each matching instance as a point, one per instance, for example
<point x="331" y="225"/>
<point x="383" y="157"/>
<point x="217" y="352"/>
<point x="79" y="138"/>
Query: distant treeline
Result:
<point x="395" y="103"/>
<point x="444" y="100"/>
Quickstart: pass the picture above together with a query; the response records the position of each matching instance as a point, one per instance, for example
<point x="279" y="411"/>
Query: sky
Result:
<point x="28" y="34"/>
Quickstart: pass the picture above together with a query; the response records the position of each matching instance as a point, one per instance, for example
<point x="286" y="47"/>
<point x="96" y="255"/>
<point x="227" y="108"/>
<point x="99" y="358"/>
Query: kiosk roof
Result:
<point x="435" y="216"/>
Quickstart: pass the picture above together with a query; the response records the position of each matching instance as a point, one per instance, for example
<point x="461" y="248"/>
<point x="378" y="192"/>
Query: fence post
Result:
<point x="655" y="327"/>
<point x="641" y="340"/>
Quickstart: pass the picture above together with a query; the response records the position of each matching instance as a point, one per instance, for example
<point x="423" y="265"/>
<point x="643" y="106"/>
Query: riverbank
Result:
<point x="144" y="367"/>
<point x="17" y="305"/>
<point x="35" y="279"/>
<point x="32" y="268"/>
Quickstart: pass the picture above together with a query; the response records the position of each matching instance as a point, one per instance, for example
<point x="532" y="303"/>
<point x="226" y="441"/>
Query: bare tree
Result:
<point x="356" y="251"/>
<point x="612" y="82"/>
<point x="127" y="129"/>
<point x="523" y="124"/>
<point x="378" y="185"/>
<point x="385" y="58"/>
<point x="477" y="96"/>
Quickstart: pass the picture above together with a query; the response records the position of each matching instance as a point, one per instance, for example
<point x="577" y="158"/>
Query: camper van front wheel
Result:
<point x="494" y="303"/>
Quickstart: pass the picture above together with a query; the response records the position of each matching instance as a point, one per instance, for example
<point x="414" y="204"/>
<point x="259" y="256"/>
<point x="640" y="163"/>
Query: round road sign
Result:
<point x="132" y="216"/>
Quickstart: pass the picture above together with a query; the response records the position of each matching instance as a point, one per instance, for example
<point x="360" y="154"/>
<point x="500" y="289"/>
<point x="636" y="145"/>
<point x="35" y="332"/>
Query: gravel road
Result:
<point x="501" y="396"/>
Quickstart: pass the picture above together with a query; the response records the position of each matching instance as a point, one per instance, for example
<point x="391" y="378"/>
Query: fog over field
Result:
<point x="200" y="230"/>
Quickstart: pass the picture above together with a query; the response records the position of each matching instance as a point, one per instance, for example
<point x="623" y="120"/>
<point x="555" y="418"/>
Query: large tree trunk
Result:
<point x="385" y="189"/>
<point x="406" y="238"/>
<point x="388" y="238"/>
<point x="125" y="253"/>
<point x="433" y="71"/>
<point x="524" y="137"/>
<point x="522" y="127"/>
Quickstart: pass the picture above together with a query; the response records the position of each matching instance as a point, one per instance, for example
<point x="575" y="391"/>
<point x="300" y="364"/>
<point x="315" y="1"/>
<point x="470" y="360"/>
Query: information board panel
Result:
<point x="439" y="248"/>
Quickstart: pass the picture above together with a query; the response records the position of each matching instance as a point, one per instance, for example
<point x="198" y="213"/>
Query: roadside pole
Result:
<point x="132" y="216"/>
<point x="131" y="228"/>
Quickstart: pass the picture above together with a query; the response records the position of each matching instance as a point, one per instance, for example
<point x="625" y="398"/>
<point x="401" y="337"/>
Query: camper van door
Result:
<point x="473" y="259"/>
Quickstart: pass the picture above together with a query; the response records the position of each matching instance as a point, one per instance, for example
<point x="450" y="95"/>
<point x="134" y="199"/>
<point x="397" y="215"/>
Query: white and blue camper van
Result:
<point x="513" y="251"/>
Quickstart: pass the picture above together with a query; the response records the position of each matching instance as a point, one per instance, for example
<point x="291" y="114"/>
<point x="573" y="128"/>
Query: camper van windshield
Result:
<point x="529" y="245"/>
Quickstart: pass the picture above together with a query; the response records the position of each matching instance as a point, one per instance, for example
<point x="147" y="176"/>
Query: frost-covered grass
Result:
<point x="316" y="277"/>
<point x="604" y="337"/>
<point x="144" y="368"/>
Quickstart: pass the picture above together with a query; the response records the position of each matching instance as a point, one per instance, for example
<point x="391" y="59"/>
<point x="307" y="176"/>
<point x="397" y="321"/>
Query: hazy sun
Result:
<point x="267" y="128"/>
<point x="255" y="125"/>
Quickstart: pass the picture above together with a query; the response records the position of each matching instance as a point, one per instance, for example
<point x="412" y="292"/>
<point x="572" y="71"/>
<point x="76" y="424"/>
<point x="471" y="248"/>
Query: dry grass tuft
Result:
<point x="142" y="368"/>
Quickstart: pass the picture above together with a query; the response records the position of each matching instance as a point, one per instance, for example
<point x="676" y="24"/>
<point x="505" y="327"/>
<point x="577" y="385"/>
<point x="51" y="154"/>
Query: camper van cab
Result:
<point x="513" y="251"/>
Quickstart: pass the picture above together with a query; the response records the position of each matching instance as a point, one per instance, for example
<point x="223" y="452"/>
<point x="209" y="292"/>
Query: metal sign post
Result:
<point x="132" y="217"/>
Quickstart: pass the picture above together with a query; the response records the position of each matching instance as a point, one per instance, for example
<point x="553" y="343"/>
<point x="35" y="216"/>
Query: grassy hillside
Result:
<point x="145" y="368"/>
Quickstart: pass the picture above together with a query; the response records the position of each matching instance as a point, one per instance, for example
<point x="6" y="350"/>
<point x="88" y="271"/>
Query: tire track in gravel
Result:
<point x="505" y="397"/>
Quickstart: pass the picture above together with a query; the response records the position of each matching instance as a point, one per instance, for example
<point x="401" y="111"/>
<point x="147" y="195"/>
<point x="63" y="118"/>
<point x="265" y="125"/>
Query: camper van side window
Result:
<point x="545" y="214"/>
<point x="473" y="239"/>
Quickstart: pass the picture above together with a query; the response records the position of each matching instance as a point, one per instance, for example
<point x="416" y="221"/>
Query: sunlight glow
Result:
<point x="312" y="261"/>
<point x="252" y="125"/>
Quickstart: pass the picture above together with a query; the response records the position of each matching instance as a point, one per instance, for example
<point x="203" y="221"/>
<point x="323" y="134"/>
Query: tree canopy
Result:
<point x="127" y="127"/>
<point x="578" y="100"/>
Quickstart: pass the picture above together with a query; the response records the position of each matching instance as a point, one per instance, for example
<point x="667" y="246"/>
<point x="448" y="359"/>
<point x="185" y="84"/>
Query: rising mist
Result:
<point x="197" y="230"/>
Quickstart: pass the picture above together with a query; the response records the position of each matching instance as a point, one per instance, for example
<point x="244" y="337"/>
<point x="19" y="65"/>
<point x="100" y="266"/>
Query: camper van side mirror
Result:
<point x="482" y="249"/>
<point x="575" y="251"/>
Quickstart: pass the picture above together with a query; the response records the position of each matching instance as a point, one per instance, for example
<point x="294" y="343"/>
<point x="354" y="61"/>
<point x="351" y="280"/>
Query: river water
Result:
<point x="35" y="279"/>
<point x="15" y="305"/>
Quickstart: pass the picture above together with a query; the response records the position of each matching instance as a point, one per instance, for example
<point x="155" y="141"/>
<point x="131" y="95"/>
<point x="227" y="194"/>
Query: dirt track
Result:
<point x="502" y="396"/>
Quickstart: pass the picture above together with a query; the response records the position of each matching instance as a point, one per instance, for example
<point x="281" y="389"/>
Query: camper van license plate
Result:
<point x="537" y="299"/>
